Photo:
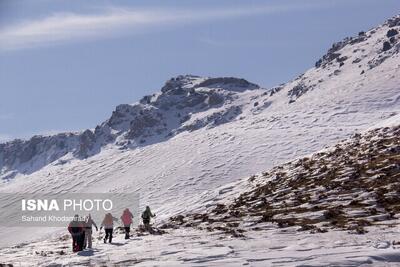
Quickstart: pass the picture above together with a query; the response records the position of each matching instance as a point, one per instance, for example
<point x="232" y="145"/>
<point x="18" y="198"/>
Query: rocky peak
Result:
<point x="188" y="83"/>
<point x="393" y="22"/>
<point x="357" y="54"/>
<point x="181" y="96"/>
<point x="383" y="37"/>
<point x="228" y="83"/>
<point x="180" y="84"/>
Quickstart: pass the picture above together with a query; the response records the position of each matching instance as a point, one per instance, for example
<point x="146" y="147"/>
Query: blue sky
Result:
<point x="65" y="65"/>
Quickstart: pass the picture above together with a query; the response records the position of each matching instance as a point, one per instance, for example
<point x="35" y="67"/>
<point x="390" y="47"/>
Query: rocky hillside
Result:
<point x="349" y="58"/>
<point x="349" y="186"/>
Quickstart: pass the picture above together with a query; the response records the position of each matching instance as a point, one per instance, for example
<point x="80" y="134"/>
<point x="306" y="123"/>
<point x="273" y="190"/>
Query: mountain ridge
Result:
<point x="150" y="120"/>
<point x="130" y="124"/>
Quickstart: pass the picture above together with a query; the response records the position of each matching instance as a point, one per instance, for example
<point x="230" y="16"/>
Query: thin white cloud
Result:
<point x="69" y="27"/>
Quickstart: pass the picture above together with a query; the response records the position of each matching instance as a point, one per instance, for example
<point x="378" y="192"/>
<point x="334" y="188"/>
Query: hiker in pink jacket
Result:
<point x="108" y="224"/>
<point x="126" y="219"/>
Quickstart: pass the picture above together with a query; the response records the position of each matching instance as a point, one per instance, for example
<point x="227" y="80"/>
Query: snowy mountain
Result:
<point x="188" y="103"/>
<point x="197" y="134"/>
<point x="155" y="118"/>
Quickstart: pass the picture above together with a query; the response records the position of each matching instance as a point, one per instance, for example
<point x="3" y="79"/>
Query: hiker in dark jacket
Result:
<point x="146" y="216"/>
<point x="76" y="229"/>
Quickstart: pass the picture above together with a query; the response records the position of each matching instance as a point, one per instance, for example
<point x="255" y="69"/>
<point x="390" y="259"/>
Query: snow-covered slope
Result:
<point x="336" y="207"/>
<point x="348" y="186"/>
<point x="200" y="133"/>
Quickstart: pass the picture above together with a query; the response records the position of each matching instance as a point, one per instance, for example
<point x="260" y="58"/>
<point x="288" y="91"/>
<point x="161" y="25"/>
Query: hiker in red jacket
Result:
<point x="126" y="219"/>
<point x="77" y="231"/>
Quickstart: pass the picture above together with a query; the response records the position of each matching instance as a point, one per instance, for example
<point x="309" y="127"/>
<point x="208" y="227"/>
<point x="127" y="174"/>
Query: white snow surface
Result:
<point x="185" y="172"/>
<point x="188" y="247"/>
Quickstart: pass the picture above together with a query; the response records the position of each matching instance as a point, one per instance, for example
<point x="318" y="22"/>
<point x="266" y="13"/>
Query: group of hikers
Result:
<point x="81" y="228"/>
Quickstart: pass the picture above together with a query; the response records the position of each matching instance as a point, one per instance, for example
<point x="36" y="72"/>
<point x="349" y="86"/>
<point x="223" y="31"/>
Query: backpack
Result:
<point x="145" y="215"/>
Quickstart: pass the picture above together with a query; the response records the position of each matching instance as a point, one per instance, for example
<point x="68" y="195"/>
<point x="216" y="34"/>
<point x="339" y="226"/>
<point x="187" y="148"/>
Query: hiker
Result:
<point x="146" y="216"/>
<point x="89" y="223"/>
<point x="76" y="229"/>
<point x="108" y="223"/>
<point x="126" y="219"/>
